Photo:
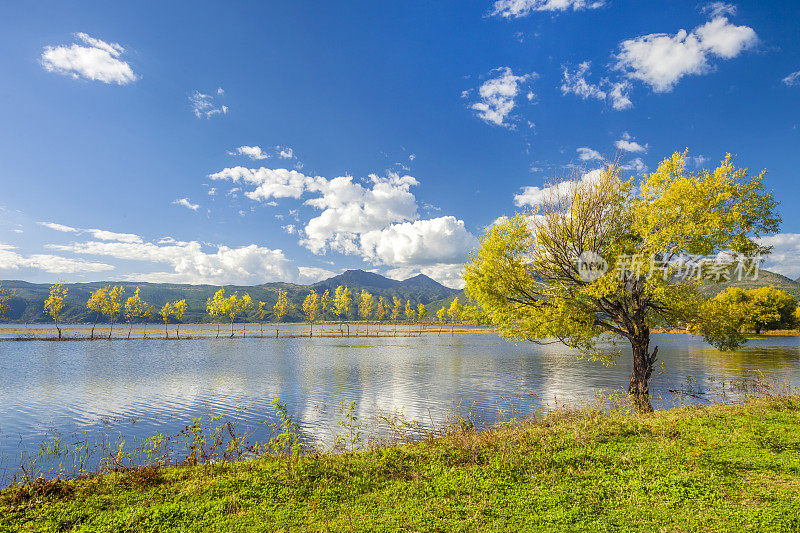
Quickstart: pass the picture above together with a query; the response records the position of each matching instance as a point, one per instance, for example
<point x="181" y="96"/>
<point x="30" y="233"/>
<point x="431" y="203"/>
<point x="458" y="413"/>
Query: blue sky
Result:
<point x="253" y="142"/>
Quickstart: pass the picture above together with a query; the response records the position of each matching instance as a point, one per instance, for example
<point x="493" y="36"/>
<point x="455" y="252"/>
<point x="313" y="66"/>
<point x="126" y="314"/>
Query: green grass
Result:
<point x="718" y="468"/>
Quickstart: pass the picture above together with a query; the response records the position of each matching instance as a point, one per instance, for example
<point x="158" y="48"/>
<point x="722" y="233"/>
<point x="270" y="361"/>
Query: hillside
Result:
<point x="27" y="305"/>
<point x="765" y="278"/>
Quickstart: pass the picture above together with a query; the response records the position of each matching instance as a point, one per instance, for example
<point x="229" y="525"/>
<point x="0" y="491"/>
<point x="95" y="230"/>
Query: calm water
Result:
<point x="139" y="387"/>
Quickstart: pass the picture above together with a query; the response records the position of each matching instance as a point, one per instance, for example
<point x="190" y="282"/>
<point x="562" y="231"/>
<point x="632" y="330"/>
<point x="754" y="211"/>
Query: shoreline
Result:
<point x="722" y="467"/>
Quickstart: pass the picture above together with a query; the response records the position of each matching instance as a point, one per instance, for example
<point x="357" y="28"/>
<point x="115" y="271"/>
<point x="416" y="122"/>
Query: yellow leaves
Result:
<point x="341" y="301"/>
<point x="5" y="296"/>
<point x="311" y="306"/>
<point x="397" y="308"/>
<point x="135" y="307"/>
<point x="441" y="314"/>
<point x="422" y="312"/>
<point x="455" y="310"/>
<point x="230" y="306"/>
<point x="411" y="314"/>
<point x="54" y="303"/>
<point x="179" y="308"/>
<point x="381" y="309"/>
<point x="106" y="301"/>
<point x="365" y="304"/>
<point x="282" y="306"/>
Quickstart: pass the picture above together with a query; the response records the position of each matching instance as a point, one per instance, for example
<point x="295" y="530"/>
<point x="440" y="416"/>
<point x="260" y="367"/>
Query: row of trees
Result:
<point x="108" y="302"/>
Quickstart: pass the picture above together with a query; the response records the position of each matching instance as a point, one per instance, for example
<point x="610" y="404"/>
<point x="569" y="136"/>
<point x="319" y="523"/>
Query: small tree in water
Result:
<point x="55" y="303"/>
<point x="531" y="274"/>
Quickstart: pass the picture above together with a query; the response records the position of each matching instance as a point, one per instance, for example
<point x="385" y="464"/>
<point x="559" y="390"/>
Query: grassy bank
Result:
<point x="717" y="468"/>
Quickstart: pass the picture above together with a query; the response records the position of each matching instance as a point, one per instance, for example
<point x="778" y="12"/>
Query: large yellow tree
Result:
<point x="365" y="304"/>
<point x="96" y="304"/>
<point x="341" y="303"/>
<point x="135" y="308"/>
<point x="565" y="271"/>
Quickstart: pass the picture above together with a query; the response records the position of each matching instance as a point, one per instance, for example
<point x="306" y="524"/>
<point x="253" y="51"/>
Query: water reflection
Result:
<point x="136" y="388"/>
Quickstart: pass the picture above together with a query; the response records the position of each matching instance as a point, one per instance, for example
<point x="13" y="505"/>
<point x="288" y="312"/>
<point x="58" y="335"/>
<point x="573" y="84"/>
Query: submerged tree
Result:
<point x="281" y="307"/>
<point x="178" y="309"/>
<point x="135" y="308"/>
<point x="261" y="312"/>
<point x="381" y="309"/>
<point x="411" y="313"/>
<point x="324" y="303"/>
<point x="599" y="255"/>
<point x="246" y="305"/>
<point x="311" y="309"/>
<point x="216" y="307"/>
<point x="96" y="304"/>
<point x="166" y="312"/>
<point x="365" y="307"/>
<point x="341" y="303"/>
<point x="55" y="304"/>
<point x="112" y="305"/>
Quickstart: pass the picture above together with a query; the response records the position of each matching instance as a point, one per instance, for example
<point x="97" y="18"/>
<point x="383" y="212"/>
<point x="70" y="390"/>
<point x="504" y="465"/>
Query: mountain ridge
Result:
<point x="28" y="304"/>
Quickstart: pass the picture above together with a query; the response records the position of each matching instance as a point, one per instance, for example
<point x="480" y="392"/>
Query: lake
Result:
<point x="106" y="389"/>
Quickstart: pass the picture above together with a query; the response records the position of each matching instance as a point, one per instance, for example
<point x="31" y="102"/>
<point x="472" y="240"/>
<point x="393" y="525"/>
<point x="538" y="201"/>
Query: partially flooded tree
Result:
<point x="55" y="304"/>
<point x="381" y="309"/>
<point x="216" y="307"/>
<point x="341" y="303"/>
<point x="324" y="303"/>
<point x="261" y="312"/>
<point x="411" y="313"/>
<point x="135" y="308"/>
<point x="365" y="306"/>
<point x="178" y="309"/>
<point x="281" y="307"/>
<point x="311" y="309"/>
<point x="246" y="305"/>
<point x="566" y="271"/>
<point x="166" y="312"/>
<point x="454" y="312"/>
<point x="112" y="305"/>
<point x="95" y="304"/>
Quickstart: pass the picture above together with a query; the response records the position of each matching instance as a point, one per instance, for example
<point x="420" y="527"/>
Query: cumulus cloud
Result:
<point x="785" y="256"/>
<point x="376" y="219"/>
<point x="190" y="263"/>
<point x="309" y="275"/>
<point x="575" y="82"/>
<point x="533" y="196"/>
<point x="523" y="8"/>
<point x="53" y="264"/>
<point x="422" y="242"/>
<point x="588" y="154"/>
<point x="253" y="152"/>
<point x="94" y="60"/>
<point x="661" y="60"/>
<point x="270" y="183"/>
<point x="627" y="144"/>
<point x="205" y="105"/>
<point x="792" y="79"/>
<point x="498" y="96"/>
<point x="285" y="152"/>
<point x="186" y="203"/>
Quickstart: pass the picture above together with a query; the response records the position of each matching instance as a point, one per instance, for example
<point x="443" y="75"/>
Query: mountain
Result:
<point x="765" y="278"/>
<point x="28" y="304"/>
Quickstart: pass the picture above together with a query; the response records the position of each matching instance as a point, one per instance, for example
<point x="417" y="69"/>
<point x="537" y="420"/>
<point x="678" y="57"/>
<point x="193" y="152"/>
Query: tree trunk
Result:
<point x="643" y="362"/>
<point x="110" y="331"/>
<point x="166" y="331"/>
<point x="218" y="326"/>
<point x="91" y="335"/>
<point x="59" y="330"/>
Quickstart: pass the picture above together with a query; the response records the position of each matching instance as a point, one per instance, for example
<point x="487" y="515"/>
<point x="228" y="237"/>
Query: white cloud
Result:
<point x="376" y="219"/>
<point x="97" y="60"/>
<point x="204" y="105"/>
<point x="245" y="265"/>
<point x="253" y="152"/>
<point x="422" y="242"/>
<point x="498" y="95"/>
<point x="270" y="183"/>
<point x="187" y="204"/>
<point x="661" y="60"/>
<point x="718" y="9"/>
<point x="588" y="154"/>
<point x="350" y="209"/>
<point x="59" y="227"/>
<point x="285" y="152"/>
<point x="309" y="275"/>
<point x="54" y="264"/>
<point x="637" y="165"/>
<point x="448" y="274"/>
<point x="792" y="79"/>
<point x="627" y="144"/>
<point x="785" y="256"/>
<point x="412" y="157"/>
<point x="522" y="8"/>
<point x="533" y="196"/>
<point x="101" y="234"/>
<point x="575" y="82"/>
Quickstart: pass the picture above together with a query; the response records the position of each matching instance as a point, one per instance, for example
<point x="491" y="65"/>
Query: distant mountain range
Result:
<point x="28" y="304"/>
